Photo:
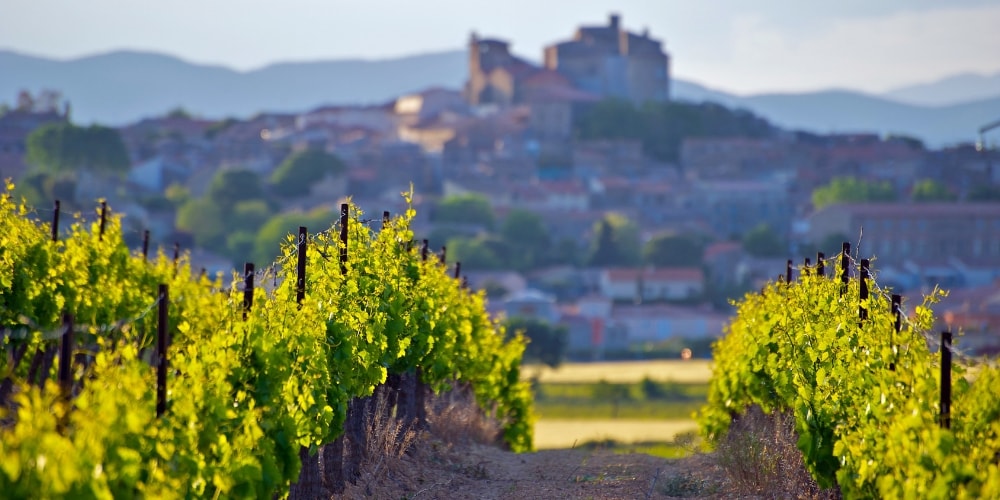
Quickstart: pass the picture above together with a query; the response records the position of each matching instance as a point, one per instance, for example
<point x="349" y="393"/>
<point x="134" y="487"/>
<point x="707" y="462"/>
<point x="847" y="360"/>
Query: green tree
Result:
<point x="179" y="113"/>
<point x="525" y="233"/>
<point x="616" y="393"/>
<point x="205" y="220"/>
<point x="465" y="209"/>
<point x="240" y="247"/>
<point x="852" y="190"/>
<point x="64" y="147"/>
<point x="984" y="192"/>
<point x="662" y="127"/>
<point x="177" y="194"/>
<point x="762" y="241"/>
<point x="302" y="169"/>
<point x="615" y="242"/>
<point x="268" y="241"/>
<point x="249" y="216"/>
<point x="928" y="190"/>
<point x="231" y="186"/>
<point x="673" y="250"/>
<point x="478" y="253"/>
<point x="547" y="342"/>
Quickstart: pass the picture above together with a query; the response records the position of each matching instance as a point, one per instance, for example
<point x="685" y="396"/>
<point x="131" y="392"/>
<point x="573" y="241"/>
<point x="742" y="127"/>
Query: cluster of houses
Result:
<point x="508" y="136"/>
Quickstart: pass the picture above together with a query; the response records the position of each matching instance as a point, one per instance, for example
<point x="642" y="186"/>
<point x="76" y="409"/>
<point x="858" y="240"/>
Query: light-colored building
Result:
<point x="922" y="232"/>
<point x="659" y="322"/>
<point x="652" y="284"/>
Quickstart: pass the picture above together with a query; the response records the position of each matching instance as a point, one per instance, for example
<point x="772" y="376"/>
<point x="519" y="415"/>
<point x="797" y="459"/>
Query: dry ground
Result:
<point x="436" y="470"/>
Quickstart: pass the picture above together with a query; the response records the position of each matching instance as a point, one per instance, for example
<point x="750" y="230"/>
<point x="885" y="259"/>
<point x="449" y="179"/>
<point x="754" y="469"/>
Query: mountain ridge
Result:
<point x="120" y="87"/>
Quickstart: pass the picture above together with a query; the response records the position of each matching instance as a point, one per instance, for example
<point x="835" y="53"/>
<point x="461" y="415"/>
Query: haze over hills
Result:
<point x="954" y="89"/>
<point x="125" y="86"/>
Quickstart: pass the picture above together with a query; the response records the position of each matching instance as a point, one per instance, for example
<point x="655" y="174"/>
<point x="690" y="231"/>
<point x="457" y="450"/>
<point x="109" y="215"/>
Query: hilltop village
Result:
<point x="574" y="191"/>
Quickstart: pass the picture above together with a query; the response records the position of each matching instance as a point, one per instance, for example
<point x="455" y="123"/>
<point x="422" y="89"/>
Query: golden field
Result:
<point x="551" y="434"/>
<point x="623" y="372"/>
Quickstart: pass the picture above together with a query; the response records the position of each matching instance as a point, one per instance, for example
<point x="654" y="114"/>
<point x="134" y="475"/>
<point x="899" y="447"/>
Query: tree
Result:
<point x="179" y="113"/>
<point x="984" y="192"/>
<point x="478" y="253"/>
<point x="616" y="393"/>
<point x="615" y="242"/>
<point x="64" y="147"/>
<point x="177" y="194"/>
<point x="465" y="209"/>
<point x="928" y="190"/>
<point x="762" y="241"/>
<point x="273" y="232"/>
<point x="852" y="190"/>
<point x="547" y="342"/>
<point x="525" y="233"/>
<point x="296" y="175"/>
<point x="205" y="220"/>
<point x="229" y="187"/>
<point x="662" y="127"/>
<point x="673" y="250"/>
<point x="249" y="216"/>
<point x="240" y="246"/>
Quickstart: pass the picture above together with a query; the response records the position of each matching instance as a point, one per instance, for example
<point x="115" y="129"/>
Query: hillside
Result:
<point x="121" y="87"/>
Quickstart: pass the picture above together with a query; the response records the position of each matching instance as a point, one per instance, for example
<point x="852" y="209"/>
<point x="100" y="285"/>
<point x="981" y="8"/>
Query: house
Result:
<point x="530" y="303"/>
<point x="496" y="77"/>
<point x="15" y="127"/>
<point x="653" y="323"/>
<point x="652" y="284"/>
<point x="729" y="157"/>
<point x="589" y="338"/>
<point x="731" y="208"/>
<point x="495" y="281"/>
<point x="973" y="313"/>
<point x="721" y="259"/>
<point x="922" y="232"/>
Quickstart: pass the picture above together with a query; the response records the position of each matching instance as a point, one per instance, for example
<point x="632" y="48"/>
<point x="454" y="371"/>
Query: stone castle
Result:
<point x="602" y="61"/>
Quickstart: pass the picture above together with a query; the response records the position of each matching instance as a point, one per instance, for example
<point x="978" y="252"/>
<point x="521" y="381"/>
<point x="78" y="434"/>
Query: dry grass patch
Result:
<point x="456" y="418"/>
<point x="760" y="459"/>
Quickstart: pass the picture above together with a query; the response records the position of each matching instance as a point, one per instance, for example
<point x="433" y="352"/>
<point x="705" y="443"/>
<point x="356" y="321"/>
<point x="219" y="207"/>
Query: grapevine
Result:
<point x="865" y="398"/>
<point x="247" y="389"/>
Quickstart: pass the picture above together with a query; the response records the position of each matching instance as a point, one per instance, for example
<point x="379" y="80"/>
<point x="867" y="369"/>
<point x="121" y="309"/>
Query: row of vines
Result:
<point x="864" y="392"/>
<point x="246" y="389"/>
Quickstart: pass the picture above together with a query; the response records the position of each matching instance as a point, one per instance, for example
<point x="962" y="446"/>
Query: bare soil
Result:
<point x="433" y="469"/>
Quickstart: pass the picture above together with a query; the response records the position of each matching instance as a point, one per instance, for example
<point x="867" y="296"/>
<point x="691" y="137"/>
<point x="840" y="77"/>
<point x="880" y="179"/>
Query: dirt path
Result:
<point x="439" y="471"/>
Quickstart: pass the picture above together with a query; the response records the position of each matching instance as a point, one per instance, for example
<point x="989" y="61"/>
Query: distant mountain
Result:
<point x="122" y="87"/>
<point x="845" y="111"/>
<point x="955" y="89"/>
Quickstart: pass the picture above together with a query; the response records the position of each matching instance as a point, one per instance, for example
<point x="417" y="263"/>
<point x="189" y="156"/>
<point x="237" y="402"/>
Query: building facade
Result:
<point x="611" y="62"/>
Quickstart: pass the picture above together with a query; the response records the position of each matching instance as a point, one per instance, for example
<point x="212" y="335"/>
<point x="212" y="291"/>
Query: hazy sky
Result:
<point x="736" y="45"/>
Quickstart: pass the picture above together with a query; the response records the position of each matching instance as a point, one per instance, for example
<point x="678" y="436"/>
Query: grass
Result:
<point x="600" y="400"/>
<point x="667" y="449"/>
<point x="759" y="457"/>
<point x="633" y="410"/>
